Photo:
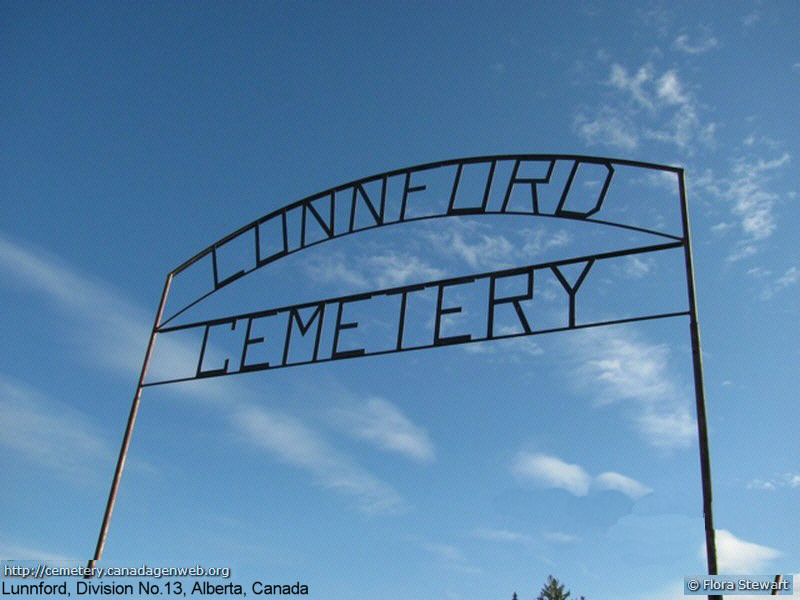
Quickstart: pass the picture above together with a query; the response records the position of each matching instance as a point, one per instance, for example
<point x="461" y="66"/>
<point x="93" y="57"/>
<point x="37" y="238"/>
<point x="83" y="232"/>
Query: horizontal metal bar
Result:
<point x="682" y="313"/>
<point x="416" y="287"/>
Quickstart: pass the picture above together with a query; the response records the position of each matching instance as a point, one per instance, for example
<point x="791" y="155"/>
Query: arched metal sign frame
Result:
<point x="315" y="219"/>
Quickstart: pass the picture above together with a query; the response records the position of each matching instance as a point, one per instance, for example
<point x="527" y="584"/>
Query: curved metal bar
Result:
<point x="306" y="206"/>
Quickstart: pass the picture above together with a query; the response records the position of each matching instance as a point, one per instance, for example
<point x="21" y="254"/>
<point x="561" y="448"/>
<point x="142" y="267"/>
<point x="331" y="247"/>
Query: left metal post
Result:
<point x="126" y="440"/>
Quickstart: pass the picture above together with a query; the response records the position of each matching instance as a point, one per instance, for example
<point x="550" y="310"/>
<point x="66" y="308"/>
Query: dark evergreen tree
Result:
<point x="514" y="597"/>
<point x="553" y="590"/>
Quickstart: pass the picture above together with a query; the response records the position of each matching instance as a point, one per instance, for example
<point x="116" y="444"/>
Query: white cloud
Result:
<point x="645" y="104"/>
<point x="292" y="442"/>
<point x="637" y="268"/>
<point x="669" y="427"/>
<point x="746" y="190"/>
<point x="478" y="250"/>
<point x="552" y="472"/>
<point x="753" y="203"/>
<point x="29" y="553"/>
<point x="684" y="129"/>
<point x="539" y="240"/>
<point x="790" y="277"/>
<point x="558" y="537"/>
<point x="634" y="370"/>
<point x="446" y="552"/>
<point x="382" y="423"/>
<point x="389" y="269"/>
<point x="634" y="85"/>
<point x="738" y="556"/>
<point x="107" y="321"/>
<point x="705" y="44"/>
<point x="786" y="480"/>
<point x="332" y="267"/>
<point x="395" y="269"/>
<point x="722" y="227"/>
<point x="669" y="88"/>
<point x="614" y="481"/>
<point x="500" y="535"/>
<point x="751" y="18"/>
<point x="452" y="557"/>
<point x="511" y="350"/>
<point x="759" y="272"/>
<point x="607" y="127"/>
<point x="741" y="251"/>
<point x="50" y="433"/>
<point x="631" y="369"/>
<point x="758" y="484"/>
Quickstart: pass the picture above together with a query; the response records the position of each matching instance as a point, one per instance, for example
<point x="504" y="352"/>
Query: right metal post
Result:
<point x="700" y="399"/>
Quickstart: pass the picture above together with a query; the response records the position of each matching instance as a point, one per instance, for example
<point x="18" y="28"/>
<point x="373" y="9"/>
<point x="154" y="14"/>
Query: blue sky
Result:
<point x="135" y="136"/>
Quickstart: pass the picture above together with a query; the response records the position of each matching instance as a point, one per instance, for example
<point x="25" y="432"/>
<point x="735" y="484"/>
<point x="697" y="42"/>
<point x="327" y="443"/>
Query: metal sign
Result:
<point x="323" y="330"/>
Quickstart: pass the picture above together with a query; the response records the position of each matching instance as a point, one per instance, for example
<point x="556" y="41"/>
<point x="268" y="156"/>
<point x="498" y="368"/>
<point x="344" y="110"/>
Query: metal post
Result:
<point x="126" y="440"/>
<point x="700" y="401"/>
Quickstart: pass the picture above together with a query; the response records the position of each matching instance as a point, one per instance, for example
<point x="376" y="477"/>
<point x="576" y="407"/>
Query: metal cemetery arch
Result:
<point x="389" y="198"/>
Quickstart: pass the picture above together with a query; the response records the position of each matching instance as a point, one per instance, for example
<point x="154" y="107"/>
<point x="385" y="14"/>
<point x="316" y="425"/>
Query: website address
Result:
<point x="26" y="569"/>
<point x="158" y="572"/>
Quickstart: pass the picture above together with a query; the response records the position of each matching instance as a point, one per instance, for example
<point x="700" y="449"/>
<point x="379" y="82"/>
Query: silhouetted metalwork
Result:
<point x="508" y="185"/>
<point x="294" y="324"/>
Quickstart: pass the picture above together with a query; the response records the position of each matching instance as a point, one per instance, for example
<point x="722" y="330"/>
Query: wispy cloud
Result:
<point x="107" y="320"/>
<point x="292" y="442"/>
<point x="552" y="472"/>
<point x="18" y="552"/>
<point x="104" y="319"/>
<point x="511" y="350"/>
<point x="451" y="557"/>
<point x="789" y="278"/>
<point x="746" y="190"/>
<point x="753" y="204"/>
<point x="383" y="424"/>
<point x="645" y="105"/>
<point x="387" y="269"/>
<point x="333" y="267"/>
<point x="741" y="251"/>
<point x="467" y="242"/>
<point x="559" y="537"/>
<point x="635" y="84"/>
<point x="751" y="18"/>
<point x="787" y="480"/>
<point x="49" y="433"/>
<point x="636" y="267"/>
<point x="537" y="241"/>
<point x="722" y="227"/>
<point x="501" y="535"/>
<point x="636" y="371"/>
<point x="705" y="43"/>
<point x="393" y="269"/>
<point x="614" y="481"/>
<point x="607" y="127"/>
